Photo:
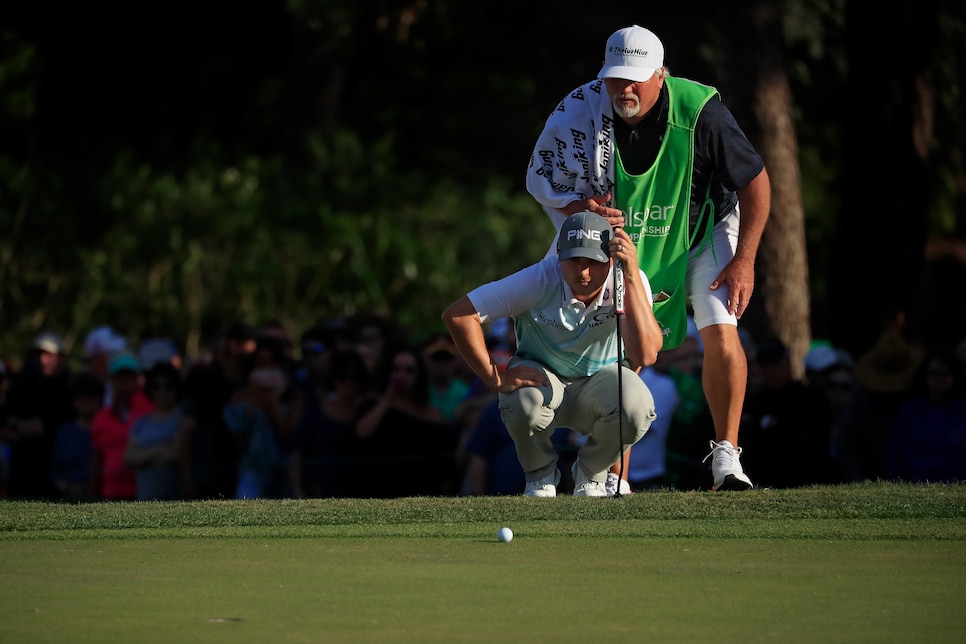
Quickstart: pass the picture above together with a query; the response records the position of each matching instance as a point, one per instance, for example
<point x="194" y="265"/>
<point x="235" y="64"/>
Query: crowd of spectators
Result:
<point x="357" y="408"/>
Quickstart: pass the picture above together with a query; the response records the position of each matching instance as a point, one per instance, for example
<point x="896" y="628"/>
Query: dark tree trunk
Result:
<point x="781" y="306"/>
<point x="783" y="259"/>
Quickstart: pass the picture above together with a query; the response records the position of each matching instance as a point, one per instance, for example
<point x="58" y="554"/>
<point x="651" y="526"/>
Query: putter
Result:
<point x="618" y="311"/>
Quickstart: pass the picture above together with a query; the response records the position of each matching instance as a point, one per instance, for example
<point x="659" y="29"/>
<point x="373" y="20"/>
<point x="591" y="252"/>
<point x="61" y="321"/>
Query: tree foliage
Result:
<point x="260" y="240"/>
<point x="171" y="171"/>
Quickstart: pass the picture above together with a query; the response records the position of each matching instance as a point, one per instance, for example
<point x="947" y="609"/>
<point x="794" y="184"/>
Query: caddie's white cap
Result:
<point x="633" y="53"/>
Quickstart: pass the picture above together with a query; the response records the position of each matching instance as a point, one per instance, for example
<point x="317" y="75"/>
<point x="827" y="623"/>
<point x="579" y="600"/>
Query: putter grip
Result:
<point x="618" y="287"/>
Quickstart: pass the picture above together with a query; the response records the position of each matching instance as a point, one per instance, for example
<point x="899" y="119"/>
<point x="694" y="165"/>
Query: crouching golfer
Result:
<point x="564" y="371"/>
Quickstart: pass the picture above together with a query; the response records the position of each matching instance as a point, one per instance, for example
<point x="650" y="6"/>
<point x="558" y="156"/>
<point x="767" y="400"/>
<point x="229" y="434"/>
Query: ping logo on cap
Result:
<point x="584" y="234"/>
<point x="580" y="233"/>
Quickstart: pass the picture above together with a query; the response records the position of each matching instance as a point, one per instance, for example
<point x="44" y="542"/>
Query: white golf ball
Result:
<point x="505" y="535"/>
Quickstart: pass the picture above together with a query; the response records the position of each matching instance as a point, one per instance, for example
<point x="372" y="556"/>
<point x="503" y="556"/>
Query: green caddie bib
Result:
<point x="655" y="206"/>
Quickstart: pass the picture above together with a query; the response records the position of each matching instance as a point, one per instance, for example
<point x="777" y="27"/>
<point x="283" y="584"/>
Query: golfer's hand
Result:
<point x="622" y="248"/>
<point x="597" y="204"/>
<point x="521" y="376"/>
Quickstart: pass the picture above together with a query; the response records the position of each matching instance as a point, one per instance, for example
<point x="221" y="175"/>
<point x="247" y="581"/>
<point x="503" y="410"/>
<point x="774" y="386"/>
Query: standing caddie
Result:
<point x="564" y="371"/>
<point x="663" y="158"/>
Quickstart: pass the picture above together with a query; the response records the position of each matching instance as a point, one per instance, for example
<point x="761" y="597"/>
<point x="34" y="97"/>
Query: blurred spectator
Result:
<point x="406" y="447"/>
<point x="320" y="461"/>
<point x="155" y="351"/>
<point x="374" y="337"/>
<point x="883" y="376"/>
<point x="647" y="465"/>
<point x="286" y="408"/>
<point x="927" y="440"/>
<point x="830" y="371"/>
<point x="493" y="468"/>
<point x="468" y="415"/>
<point x="70" y="466"/>
<point x="275" y="331"/>
<point x="38" y="402"/>
<point x="501" y="344"/>
<point x="447" y="389"/>
<point x="750" y="347"/>
<point x="152" y="442"/>
<point x="785" y="425"/>
<point x="688" y="357"/>
<point x="823" y="359"/>
<point x="314" y="359"/>
<point x="317" y="345"/>
<point x="252" y="417"/>
<point x="691" y="424"/>
<point x="208" y="454"/>
<point x="111" y="478"/>
<point x="339" y="334"/>
<point x="101" y="344"/>
<point x="500" y="334"/>
<point x="839" y="383"/>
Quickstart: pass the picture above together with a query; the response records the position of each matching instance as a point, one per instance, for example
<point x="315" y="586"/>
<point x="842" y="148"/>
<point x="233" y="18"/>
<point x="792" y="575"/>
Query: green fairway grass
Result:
<point x="875" y="562"/>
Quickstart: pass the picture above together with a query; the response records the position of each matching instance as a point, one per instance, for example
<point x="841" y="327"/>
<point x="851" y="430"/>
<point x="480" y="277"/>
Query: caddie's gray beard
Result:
<point x="626" y="111"/>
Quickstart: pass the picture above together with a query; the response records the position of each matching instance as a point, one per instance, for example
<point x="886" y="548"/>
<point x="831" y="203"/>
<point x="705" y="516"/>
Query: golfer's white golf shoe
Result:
<point x="611" y="485"/>
<point x="547" y="486"/>
<point x="584" y="486"/>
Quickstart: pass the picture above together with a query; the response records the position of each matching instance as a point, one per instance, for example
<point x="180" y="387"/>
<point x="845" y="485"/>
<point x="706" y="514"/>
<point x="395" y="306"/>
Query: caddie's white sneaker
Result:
<point x="547" y="486"/>
<point x="611" y="485"/>
<point x="726" y="468"/>
<point x="584" y="486"/>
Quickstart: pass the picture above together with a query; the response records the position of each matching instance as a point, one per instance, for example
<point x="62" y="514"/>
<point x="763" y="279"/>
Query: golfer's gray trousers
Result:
<point x="590" y="406"/>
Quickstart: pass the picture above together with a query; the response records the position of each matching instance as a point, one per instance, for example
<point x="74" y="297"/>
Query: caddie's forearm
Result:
<point x="754" y="203"/>
<point x="465" y="327"/>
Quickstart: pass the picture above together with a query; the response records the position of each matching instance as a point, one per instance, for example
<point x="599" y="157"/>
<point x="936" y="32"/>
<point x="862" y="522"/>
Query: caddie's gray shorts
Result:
<point x="704" y="264"/>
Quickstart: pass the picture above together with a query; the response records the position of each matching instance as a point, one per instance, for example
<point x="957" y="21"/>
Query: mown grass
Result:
<point x="875" y="562"/>
<point x="862" y="511"/>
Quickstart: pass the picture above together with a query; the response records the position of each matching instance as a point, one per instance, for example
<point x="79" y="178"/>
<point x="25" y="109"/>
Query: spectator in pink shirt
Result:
<point x="112" y="479"/>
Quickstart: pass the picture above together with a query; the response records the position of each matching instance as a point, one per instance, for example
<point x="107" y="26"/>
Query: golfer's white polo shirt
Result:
<point x="552" y="327"/>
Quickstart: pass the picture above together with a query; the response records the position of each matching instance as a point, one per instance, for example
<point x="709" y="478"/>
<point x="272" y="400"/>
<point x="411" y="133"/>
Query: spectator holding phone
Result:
<point x="405" y="443"/>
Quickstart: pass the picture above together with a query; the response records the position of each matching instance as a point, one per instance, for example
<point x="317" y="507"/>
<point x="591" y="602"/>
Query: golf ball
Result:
<point x="505" y="535"/>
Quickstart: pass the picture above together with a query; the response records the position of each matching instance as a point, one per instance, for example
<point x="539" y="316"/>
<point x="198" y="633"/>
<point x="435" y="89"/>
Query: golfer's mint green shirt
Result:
<point x="552" y="327"/>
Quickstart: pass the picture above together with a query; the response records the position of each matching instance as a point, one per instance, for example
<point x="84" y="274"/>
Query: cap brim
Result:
<point x="124" y="365"/>
<point x="595" y="254"/>
<point x="636" y="74"/>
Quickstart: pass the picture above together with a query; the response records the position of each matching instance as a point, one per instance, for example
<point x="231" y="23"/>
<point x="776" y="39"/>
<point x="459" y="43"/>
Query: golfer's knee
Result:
<point x="641" y="421"/>
<point x="524" y="411"/>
